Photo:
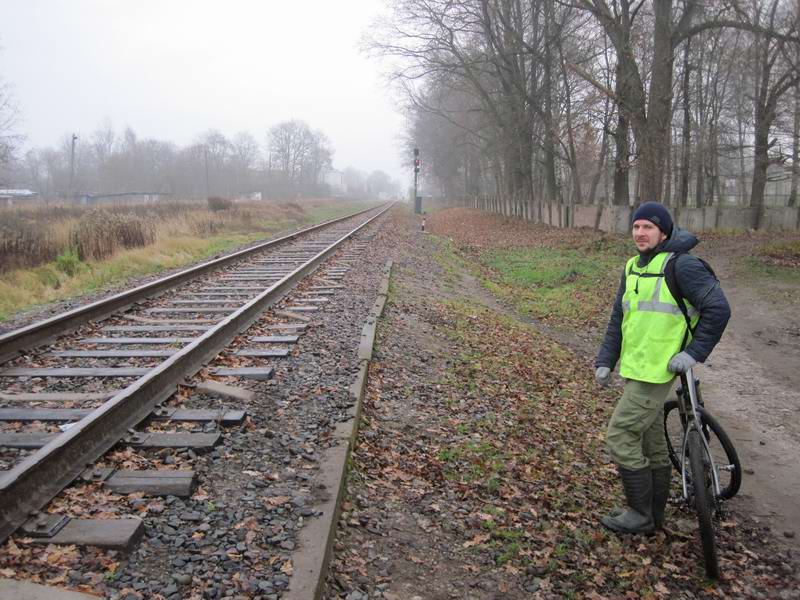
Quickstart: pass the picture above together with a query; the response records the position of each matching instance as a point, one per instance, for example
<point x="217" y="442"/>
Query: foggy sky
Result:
<point x="172" y="69"/>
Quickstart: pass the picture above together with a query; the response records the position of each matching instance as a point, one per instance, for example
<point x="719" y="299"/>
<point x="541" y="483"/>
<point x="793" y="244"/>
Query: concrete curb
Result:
<point x="11" y="589"/>
<point x="315" y="540"/>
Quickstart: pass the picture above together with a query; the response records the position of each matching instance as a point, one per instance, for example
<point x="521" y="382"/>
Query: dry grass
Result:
<point x="25" y="241"/>
<point x="35" y="235"/>
<point x="100" y="234"/>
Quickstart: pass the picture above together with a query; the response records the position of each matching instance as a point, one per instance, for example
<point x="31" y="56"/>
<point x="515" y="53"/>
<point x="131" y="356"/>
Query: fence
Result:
<point x="617" y="218"/>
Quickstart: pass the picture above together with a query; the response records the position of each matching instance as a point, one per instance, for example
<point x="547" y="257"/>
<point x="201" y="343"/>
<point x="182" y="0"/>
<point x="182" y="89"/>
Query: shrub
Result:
<point x="68" y="262"/>
<point x="203" y="225"/>
<point x="26" y="242"/>
<point x="292" y="209"/>
<point x="216" y="203"/>
<point x="100" y="233"/>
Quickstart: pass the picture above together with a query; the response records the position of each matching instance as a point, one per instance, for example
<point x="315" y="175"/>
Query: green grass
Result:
<point x="786" y="249"/>
<point x="561" y="284"/>
<point x="756" y="269"/>
<point x="474" y="462"/>
<point x="69" y="263"/>
<point x="331" y="211"/>
<point x="449" y="454"/>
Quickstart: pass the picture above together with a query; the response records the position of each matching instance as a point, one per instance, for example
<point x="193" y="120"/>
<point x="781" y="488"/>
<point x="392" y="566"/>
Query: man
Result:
<point x="646" y="334"/>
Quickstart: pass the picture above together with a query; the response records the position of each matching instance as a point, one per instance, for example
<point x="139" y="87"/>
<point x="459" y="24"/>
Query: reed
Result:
<point x="100" y="233"/>
<point x="27" y="242"/>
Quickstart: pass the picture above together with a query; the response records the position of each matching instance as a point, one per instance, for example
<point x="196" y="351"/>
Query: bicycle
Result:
<point x="705" y="457"/>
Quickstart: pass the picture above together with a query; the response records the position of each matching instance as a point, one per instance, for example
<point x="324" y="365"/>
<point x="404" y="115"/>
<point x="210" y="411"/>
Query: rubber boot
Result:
<point x="661" y="480"/>
<point x="638" y="516"/>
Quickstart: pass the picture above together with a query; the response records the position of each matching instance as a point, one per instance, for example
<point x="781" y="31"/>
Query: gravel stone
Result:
<point x="258" y="486"/>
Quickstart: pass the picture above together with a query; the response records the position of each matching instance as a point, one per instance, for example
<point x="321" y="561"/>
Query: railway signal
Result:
<point x="417" y="197"/>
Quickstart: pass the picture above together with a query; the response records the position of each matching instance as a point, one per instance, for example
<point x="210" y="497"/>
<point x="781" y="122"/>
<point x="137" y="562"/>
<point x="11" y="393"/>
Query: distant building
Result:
<point x="11" y="196"/>
<point x="21" y="194"/>
<point x="120" y="198"/>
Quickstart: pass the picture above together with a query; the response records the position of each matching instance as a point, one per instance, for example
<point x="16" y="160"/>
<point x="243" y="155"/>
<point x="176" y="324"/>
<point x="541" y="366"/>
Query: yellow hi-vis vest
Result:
<point x="653" y="327"/>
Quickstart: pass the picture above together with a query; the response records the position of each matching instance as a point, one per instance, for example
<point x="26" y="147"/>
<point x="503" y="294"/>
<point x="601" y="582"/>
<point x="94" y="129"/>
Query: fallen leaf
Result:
<point x="478" y="539"/>
<point x="287" y="568"/>
<point x="277" y="500"/>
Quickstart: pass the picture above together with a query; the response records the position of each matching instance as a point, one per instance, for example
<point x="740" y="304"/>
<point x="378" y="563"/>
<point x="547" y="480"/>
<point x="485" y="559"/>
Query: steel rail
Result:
<point x="14" y="342"/>
<point x="33" y="482"/>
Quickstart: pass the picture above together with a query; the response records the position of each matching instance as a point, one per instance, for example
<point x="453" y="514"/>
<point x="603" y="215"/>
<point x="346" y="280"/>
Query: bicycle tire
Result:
<point x="712" y="429"/>
<point x="702" y="496"/>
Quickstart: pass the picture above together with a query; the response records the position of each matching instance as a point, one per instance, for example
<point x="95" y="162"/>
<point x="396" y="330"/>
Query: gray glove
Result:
<point x="603" y="375"/>
<point x="681" y="362"/>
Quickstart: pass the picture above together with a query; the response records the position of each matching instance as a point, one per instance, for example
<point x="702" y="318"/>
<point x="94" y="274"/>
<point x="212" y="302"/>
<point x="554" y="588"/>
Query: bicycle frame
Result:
<point x="692" y="421"/>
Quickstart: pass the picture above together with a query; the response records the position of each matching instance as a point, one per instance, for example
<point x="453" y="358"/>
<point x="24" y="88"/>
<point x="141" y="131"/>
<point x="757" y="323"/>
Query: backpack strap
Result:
<point x="677" y="293"/>
<point x="675" y="289"/>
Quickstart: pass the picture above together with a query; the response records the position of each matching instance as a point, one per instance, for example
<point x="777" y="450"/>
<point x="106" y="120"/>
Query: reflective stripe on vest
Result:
<point x="653" y="326"/>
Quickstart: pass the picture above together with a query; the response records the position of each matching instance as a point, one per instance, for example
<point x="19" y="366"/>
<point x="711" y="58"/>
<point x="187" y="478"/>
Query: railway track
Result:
<point x="119" y="370"/>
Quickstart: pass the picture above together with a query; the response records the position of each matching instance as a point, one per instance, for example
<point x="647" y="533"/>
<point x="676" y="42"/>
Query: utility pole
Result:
<point x="417" y="197"/>
<point x="71" y="166"/>
<point x="205" y="154"/>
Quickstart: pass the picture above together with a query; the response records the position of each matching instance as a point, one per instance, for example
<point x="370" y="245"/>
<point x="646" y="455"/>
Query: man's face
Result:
<point x="646" y="235"/>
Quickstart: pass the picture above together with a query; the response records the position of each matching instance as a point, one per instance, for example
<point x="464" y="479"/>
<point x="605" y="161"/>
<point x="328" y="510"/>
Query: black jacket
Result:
<point x="700" y="288"/>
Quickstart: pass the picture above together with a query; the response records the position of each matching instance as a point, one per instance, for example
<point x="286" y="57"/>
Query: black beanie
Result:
<point x="656" y="213"/>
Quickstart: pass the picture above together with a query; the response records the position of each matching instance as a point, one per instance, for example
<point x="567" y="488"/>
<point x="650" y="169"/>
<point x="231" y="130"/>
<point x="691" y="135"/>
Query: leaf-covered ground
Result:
<point x="480" y="470"/>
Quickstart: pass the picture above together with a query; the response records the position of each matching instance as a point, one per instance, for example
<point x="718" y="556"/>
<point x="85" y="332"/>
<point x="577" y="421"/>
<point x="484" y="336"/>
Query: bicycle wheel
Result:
<point x="701" y="495"/>
<point x="729" y="469"/>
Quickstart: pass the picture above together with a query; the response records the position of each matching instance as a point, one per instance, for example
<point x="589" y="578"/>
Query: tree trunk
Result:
<point x="601" y="167"/>
<point x="551" y="183"/>
<point x="713" y="164"/>
<point x="699" y="182"/>
<point x="652" y="138"/>
<point x="622" y="192"/>
<point x="792" y="202"/>
<point x="742" y="183"/>
<point x="683" y="191"/>
<point x="760" y="165"/>
<point x="668" y="176"/>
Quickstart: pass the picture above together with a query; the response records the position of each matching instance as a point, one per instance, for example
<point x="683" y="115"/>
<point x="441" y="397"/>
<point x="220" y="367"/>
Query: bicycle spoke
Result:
<point x="729" y="471"/>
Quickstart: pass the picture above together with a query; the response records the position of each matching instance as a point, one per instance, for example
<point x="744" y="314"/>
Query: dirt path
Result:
<point x="752" y="384"/>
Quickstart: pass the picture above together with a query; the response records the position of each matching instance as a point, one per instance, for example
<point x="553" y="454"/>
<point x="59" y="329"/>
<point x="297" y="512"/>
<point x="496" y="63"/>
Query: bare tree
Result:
<point x="103" y="140"/>
<point x="776" y="74"/>
<point x="792" y="201"/>
<point x="355" y="182"/>
<point x="472" y="47"/>
<point x="288" y="145"/>
<point x="10" y="139"/>
<point x="378" y="183"/>
<point x="318" y="159"/>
